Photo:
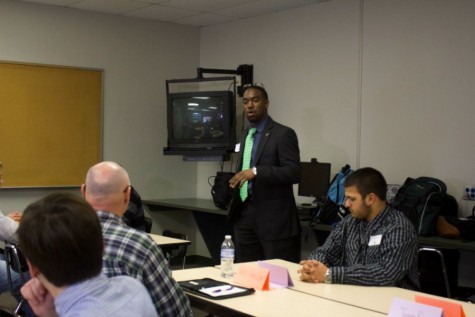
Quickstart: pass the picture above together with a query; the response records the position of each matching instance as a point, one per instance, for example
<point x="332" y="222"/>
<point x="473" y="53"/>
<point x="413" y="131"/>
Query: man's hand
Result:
<point x="15" y="216"/>
<point x="239" y="178"/>
<point x="312" y="271"/>
<point x="39" y="299"/>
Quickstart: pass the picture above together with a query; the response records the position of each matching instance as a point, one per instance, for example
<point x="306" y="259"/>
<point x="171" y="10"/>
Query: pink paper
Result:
<point x="278" y="274"/>
<point x="403" y="308"/>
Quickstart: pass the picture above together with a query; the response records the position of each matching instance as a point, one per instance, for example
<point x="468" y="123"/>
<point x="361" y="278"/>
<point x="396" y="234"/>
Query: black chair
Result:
<point x="435" y="276"/>
<point x="134" y="215"/>
<point x="148" y="224"/>
<point x="15" y="261"/>
<point x="175" y="252"/>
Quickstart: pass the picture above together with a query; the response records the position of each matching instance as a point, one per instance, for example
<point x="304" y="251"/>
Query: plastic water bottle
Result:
<point x="227" y="257"/>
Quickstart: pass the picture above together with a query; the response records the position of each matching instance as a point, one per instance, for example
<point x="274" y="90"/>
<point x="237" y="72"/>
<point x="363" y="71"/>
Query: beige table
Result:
<point x="211" y="221"/>
<point x="162" y="240"/>
<point x="374" y="298"/>
<point x="274" y="302"/>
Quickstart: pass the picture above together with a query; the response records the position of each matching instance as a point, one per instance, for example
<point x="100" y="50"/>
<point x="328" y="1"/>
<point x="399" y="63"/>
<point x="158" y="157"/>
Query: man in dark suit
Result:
<point x="266" y="225"/>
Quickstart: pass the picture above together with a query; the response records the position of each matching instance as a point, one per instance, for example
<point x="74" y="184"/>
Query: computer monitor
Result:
<point x="314" y="179"/>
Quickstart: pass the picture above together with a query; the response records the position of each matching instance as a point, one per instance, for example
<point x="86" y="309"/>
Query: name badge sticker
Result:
<point x="237" y="148"/>
<point x="375" y="240"/>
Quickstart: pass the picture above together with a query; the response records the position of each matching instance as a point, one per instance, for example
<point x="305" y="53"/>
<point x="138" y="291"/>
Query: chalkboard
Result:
<point x="50" y="124"/>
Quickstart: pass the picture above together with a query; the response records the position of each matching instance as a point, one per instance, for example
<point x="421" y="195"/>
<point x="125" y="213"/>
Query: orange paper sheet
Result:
<point x="252" y="276"/>
<point x="451" y="309"/>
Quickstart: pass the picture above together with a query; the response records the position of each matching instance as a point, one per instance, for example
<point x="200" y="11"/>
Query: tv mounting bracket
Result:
<point x="245" y="71"/>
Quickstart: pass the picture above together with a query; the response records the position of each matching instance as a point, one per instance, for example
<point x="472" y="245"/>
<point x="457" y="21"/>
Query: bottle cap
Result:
<point x="228" y="236"/>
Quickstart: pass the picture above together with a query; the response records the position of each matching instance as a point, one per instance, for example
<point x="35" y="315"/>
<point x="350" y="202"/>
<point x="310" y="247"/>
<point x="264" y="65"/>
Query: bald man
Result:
<point x="128" y="251"/>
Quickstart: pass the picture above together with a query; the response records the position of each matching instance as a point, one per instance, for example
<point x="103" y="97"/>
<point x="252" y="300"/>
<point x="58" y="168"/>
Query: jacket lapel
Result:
<point x="263" y="140"/>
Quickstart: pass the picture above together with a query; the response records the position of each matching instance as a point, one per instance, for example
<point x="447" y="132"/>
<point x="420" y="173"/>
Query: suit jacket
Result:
<point x="277" y="159"/>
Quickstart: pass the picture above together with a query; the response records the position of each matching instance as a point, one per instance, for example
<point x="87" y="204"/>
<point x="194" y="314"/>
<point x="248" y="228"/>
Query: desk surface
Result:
<point x="274" y="302"/>
<point x="162" y="240"/>
<point x="211" y="221"/>
<point x="374" y="298"/>
<point x="447" y="243"/>
<point x="194" y="204"/>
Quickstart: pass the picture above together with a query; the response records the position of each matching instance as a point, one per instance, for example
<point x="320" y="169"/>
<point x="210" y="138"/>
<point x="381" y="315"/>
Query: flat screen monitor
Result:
<point x="314" y="179"/>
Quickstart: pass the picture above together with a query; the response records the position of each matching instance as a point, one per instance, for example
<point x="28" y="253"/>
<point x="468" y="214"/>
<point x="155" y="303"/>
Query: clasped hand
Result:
<point x="312" y="271"/>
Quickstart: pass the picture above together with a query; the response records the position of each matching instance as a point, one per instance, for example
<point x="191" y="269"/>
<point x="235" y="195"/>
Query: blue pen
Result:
<point x="222" y="290"/>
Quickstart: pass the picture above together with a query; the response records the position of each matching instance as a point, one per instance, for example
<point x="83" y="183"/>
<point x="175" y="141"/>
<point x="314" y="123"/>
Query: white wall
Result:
<point x="379" y="83"/>
<point x="418" y="90"/>
<point x="137" y="57"/>
<point x="375" y="82"/>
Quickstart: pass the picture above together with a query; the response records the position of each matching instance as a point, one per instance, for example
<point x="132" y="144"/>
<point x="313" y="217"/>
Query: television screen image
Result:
<point x="314" y="179"/>
<point x="203" y="120"/>
<point x="198" y="118"/>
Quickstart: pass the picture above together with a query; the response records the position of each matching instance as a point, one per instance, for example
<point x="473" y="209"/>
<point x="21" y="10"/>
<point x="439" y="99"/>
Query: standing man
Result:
<point x="376" y="246"/>
<point x="266" y="224"/>
<point x="128" y="251"/>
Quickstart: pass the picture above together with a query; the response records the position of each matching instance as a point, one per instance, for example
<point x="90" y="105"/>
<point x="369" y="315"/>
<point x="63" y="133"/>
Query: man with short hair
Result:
<point x="61" y="237"/>
<point x="264" y="215"/>
<point x="376" y="245"/>
<point x="128" y="251"/>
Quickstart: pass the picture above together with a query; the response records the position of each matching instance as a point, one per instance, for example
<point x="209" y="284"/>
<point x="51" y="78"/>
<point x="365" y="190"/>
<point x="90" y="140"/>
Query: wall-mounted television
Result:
<point x="314" y="179"/>
<point x="201" y="122"/>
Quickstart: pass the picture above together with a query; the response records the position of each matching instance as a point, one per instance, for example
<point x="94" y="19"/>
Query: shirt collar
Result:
<point x="261" y="124"/>
<point x="107" y="216"/>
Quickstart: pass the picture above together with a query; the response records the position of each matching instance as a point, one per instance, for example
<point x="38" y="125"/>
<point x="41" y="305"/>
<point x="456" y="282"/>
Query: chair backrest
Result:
<point x="174" y="252"/>
<point x="134" y="215"/>
<point x="148" y="224"/>
<point x="15" y="261"/>
<point x="14" y="258"/>
<point x="432" y="271"/>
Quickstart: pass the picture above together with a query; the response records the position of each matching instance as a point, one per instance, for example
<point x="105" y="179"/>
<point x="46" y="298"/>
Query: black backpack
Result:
<point x="422" y="200"/>
<point x="220" y="191"/>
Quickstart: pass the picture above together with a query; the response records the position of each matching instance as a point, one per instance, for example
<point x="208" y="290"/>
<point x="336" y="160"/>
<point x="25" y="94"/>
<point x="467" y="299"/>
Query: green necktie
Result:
<point x="246" y="160"/>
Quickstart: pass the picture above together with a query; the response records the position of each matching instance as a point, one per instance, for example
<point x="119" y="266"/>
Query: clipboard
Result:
<point x="213" y="289"/>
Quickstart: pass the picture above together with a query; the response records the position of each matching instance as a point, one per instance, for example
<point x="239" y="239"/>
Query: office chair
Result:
<point x="15" y="261"/>
<point x="432" y="270"/>
<point x="173" y="252"/>
<point x="148" y="224"/>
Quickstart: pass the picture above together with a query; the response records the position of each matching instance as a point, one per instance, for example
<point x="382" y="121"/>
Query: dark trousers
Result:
<point x="250" y="246"/>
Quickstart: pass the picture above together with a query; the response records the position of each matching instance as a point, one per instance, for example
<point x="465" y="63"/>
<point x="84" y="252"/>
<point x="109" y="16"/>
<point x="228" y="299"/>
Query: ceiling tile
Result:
<point x="156" y="12"/>
<point x="205" y="19"/>
<point x="110" y="6"/>
<point x="152" y="1"/>
<point x="191" y="12"/>
<point x="205" y="5"/>
<point x="262" y="7"/>
<point x="54" y="2"/>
